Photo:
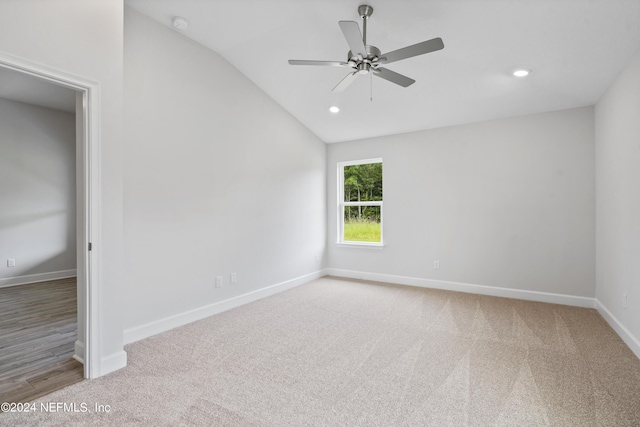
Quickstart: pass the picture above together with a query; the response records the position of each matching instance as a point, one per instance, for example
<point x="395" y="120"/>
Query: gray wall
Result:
<point x="219" y="179"/>
<point x="37" y="193"/>
<point x="506" y="203"/>
<point x="618" y="203"/>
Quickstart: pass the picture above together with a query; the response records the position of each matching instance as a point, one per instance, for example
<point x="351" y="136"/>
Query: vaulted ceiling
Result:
<point x="574" y="49"/>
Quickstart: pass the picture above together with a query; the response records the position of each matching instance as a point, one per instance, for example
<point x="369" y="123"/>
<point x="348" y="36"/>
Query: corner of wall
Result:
<point x="632" y="341"/>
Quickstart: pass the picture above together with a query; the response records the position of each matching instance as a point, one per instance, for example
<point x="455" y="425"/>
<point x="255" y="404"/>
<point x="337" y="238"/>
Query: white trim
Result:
<point x="373" y="203"/>
<point x="467" y="287"/>
<point x="147" y="330"/>
<point x="79" y="351"/>
<point x="90" y="231"/>
<point x="93" y="176"/>
<point x="629" y="339"/>
<point x="360" y="245"/>
<point x="361" y="162"/>
<point x="113" y="362"/>
<point x="35" y="278"/>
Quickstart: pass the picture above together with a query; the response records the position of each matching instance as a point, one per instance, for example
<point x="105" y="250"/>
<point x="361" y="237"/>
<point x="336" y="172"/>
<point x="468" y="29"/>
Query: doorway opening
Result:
<point x="87" y="175"/>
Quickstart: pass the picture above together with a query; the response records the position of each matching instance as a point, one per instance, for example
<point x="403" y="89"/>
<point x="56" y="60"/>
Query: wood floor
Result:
<point x="38" y="330"/>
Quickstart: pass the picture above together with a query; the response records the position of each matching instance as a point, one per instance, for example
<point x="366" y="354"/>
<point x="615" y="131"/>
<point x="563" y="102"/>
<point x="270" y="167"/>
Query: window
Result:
<point x="360" y="202"/>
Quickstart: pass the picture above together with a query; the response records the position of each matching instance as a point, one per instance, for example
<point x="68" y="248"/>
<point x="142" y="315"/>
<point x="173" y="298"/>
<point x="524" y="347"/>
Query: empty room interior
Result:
<point x="320" y="213"/>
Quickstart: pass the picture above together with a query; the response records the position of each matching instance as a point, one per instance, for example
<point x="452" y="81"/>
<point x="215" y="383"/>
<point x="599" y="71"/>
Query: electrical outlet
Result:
<point x="624" y="301"/>
<point x="436" y="264"/>
<point x="233" y="278"/>
<point x="218" y="281"/>
<point x="317" y="258"/>
<point x="11" y="262"/>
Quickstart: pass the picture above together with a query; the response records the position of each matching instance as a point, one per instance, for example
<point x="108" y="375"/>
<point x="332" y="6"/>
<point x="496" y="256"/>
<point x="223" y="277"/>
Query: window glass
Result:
<point x="360" y="190"/>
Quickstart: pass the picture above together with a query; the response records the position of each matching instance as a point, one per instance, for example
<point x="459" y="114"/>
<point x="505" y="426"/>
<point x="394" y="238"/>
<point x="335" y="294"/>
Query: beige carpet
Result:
<point x="347" y="353"/>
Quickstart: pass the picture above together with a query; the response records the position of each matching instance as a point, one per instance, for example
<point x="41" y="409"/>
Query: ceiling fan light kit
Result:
<point x="363" y="59"/>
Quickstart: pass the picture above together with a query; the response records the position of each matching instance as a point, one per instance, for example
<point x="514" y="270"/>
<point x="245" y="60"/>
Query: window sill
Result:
<point x="360" y="245"/>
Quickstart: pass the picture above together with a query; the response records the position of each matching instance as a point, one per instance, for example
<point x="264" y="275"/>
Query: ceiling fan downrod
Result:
<point x="365" y="12"/>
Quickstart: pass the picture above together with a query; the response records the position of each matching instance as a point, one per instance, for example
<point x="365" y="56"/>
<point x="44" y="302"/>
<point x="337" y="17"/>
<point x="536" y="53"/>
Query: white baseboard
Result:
<point x="113" y="362"/>
<point x="629" y="339"/>
<point x="138" y="333"/>
<point x="467" y="287"/>
<point x="108" y="364"/>
<point x="79" y="351"/>
<point x="35" y="278"/>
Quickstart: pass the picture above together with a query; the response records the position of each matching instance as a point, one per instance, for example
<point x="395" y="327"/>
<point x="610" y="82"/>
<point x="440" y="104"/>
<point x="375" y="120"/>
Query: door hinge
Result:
<point x="89" y="245"/>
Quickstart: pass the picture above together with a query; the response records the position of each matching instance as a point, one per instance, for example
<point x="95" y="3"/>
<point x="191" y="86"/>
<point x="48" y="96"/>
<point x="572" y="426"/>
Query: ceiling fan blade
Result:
<point x="351" y="32"/>
<point x="344" y="83"/>
<point x="324" y="63"/>
<point x="413" y="50"/>
<point x="393" y="77"/>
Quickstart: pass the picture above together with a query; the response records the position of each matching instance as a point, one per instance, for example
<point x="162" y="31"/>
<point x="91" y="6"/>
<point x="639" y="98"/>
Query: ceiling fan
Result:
<point x="365" y="59"/>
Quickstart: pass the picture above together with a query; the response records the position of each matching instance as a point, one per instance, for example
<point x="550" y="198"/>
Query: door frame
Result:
<point x="87" y="349"/>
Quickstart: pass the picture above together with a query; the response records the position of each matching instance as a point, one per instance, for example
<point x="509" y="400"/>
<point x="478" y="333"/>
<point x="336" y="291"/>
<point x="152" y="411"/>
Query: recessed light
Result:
<point x="521" y="73"/>
<point x="334" y="109"/>
<point x="179" y="23"/>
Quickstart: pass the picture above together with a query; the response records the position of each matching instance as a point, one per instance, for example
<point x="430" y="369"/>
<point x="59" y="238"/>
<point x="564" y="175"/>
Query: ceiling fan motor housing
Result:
<point x="364" y="67"/>
<point x="373" y="53"/>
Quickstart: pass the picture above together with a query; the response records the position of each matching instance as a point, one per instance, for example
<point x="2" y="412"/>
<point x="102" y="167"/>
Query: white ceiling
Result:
<point x="575" y="49"/>
<point x="21" y="87"/>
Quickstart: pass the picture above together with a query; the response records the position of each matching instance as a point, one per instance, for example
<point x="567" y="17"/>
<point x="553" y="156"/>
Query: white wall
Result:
<point x="84" y="38"/>
<point x="218" y="179"/>
<point x="505" y="203"/>
<point x="37" y="195"/>
<point x="617" y="117"/>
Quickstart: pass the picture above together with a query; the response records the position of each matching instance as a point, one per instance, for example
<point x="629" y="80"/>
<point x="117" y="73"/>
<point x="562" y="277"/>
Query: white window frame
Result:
<point x="342" y="204"/>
